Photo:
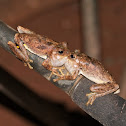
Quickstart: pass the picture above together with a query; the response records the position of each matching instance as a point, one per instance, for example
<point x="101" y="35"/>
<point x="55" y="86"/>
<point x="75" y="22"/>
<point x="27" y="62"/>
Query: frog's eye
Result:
<point x="72" y="56"/>
<point x="60" y="52"/>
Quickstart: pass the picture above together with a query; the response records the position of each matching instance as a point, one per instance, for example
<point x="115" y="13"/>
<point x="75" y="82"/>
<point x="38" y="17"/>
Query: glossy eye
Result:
<point x="72" y="56"/>
<point x="60" y="52"/>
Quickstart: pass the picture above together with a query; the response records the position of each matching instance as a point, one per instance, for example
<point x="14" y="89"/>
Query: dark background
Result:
<point x="61" y="21"/>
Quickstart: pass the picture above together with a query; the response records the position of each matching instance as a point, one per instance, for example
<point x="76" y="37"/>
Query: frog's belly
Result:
<point x="93" y="78"/>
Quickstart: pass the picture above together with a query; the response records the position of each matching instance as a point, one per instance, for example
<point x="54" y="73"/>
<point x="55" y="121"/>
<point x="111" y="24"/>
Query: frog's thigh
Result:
<point x="102" y="88"/>
<point x="16" y="50"/>
<point x="19" y="54"/>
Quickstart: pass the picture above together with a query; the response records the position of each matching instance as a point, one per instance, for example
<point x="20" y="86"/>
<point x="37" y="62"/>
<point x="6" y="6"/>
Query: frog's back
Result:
<point x="37" y="44"/>
<point x="95" y="71"/>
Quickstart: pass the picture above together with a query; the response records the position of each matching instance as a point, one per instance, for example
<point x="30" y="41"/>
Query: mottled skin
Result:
<point x="56" y="60"/>
<point x="80" y="64"/>
<point x="36" y="44"/>
<point x="57" y="55"/>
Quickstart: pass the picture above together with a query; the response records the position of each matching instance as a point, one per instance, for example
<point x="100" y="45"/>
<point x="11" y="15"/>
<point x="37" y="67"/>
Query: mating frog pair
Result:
<point x="58" y="56"/>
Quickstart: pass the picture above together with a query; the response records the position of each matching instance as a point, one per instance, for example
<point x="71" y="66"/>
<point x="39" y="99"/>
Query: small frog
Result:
<point x="80" y="64"/>
<point x="36" y="44"/>
<point x="57" y="59"/>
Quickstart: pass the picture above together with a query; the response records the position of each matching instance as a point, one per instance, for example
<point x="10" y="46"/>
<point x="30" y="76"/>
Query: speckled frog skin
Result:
<point x="36" y="44"/>
<point x="80" y="64"/>
<point x="58" y="56"/>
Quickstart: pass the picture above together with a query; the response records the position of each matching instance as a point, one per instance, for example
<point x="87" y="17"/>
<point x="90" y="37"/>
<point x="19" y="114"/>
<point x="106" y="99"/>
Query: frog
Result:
<point x="57" y="56"/>
<point x="56" y="60"/>
<point x="78" y="63"/>
<point x="25" y="39"/>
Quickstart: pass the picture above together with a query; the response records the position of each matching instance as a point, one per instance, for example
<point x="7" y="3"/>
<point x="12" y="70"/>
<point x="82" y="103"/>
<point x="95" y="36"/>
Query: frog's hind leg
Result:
<point x="75" y="84"/>
<point x="99" y="90"/>
<point x="20" y="53"/>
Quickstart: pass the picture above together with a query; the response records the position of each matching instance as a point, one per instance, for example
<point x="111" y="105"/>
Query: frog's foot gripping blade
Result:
<point x="49" y="78"/>
<point x="28" y="64"/>
<point x="30" y="67"/>
<point x="91" y="98"/>
<point x="74" y="85"/>
<point x="59" y="73"/>
<point x="54" y="72"/>
<point x="57" y="79"/>
<point x="60" y="70"/>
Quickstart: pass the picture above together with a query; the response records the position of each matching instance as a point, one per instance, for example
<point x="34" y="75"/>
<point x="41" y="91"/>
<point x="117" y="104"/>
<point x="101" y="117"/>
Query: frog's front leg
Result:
<point x="98" y="90"/>
<point x="20" y="52"/>
<point x="47" y="64"/>
<point x="55" y="71"/>
<point x="67" y="76"/>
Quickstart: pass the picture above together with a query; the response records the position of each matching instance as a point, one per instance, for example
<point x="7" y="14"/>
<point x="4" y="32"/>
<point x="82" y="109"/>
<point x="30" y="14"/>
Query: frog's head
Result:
<point x="60" y="49"/>
<point x="76" y="56"/>
<point x="60" y="54"/>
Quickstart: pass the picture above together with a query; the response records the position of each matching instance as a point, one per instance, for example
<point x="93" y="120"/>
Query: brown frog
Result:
<point x="36" y="44"/>
<point x="80" y="64"/>
<point x="57" y="55"/>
